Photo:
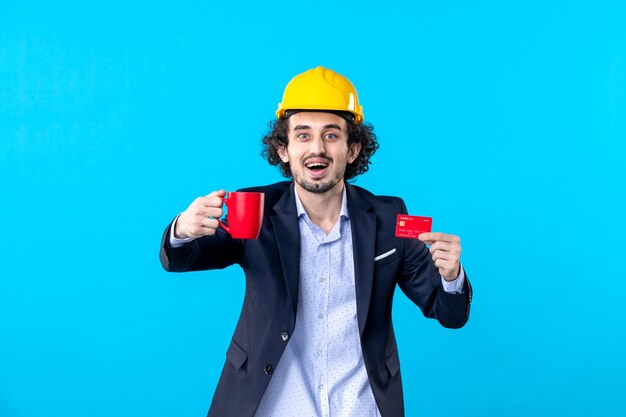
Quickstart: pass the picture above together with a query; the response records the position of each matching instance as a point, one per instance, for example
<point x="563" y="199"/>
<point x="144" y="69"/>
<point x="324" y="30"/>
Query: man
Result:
<point x="315" y="336"/>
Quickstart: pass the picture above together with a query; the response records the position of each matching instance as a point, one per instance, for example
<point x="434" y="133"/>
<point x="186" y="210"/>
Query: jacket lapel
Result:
<point x="363" y="225"/>
<point x="285" y="223"/>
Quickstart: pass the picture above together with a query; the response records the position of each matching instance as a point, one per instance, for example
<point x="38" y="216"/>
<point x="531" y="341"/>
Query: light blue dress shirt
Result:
<point x="321" y="372"/>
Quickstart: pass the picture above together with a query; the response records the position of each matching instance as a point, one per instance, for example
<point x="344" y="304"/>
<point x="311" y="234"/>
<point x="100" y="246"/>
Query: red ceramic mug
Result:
<point x="245" y="214"/>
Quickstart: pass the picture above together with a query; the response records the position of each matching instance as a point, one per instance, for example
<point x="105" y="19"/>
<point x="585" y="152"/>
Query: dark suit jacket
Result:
<point x="271" y="266"/>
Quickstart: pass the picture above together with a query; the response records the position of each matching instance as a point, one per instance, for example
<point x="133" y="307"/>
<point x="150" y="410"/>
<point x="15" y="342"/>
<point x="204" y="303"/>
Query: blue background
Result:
<point x="505" y="121"/>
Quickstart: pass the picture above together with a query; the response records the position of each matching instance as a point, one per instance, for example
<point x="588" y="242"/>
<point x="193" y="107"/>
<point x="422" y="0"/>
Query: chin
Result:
<point x="317" y="187"/>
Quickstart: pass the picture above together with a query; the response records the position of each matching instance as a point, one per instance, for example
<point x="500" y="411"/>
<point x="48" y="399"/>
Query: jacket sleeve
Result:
<point x="420" y="280"/>
<point x="209" y="252"/>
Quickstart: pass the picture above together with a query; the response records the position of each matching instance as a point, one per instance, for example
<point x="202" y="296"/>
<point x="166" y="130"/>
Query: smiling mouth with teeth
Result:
<point x="316" y="166"/>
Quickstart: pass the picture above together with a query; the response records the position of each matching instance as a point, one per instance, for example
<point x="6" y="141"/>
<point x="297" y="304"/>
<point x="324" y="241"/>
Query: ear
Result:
<point x="353" y="152"/>
<point x="282" y="152"/>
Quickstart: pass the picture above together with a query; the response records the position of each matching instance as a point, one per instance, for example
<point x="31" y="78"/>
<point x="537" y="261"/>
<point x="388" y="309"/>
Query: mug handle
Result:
<point x="225" y="201"/>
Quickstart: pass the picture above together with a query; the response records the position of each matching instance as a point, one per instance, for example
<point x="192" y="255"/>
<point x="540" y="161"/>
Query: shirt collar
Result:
<point x="343" y="213"/>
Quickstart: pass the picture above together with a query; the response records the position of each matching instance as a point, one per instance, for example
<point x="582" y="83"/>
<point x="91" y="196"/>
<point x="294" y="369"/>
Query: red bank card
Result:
<point x="412" y="226"/>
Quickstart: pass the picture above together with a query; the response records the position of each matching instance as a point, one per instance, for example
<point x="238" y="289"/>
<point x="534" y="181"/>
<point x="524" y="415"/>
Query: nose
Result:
<point x="318" y="147"/>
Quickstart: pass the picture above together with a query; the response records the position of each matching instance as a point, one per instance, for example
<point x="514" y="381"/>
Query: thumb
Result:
<point x="426" y="238"/>
<point x="219" y="193"/>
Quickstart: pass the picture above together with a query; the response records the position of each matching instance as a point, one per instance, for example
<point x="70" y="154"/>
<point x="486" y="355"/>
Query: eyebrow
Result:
<point x="305" y="127"/>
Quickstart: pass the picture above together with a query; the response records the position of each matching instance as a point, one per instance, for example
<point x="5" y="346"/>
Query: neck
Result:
<point x="322" y="208"/>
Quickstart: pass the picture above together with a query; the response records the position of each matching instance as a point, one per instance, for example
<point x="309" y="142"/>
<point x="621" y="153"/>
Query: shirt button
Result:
<point x="321" y="279"/>
<point x="284" y="336"/>
<point x="269" y="369"/>
<point x="320" y="316"/>
<point x="321" y="386"/>
<point x="319" y="352"/>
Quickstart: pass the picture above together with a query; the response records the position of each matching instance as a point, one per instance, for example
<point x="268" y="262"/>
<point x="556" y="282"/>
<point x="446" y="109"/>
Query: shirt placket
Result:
<point x="323" y="260"/>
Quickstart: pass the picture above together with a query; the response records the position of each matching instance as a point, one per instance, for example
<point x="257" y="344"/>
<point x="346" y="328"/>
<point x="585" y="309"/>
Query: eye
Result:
<point x="303" y="136"/>
<point x="330" y="136"/>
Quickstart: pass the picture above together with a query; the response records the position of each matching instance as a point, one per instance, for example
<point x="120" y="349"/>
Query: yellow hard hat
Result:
<point x="321" y="89"/>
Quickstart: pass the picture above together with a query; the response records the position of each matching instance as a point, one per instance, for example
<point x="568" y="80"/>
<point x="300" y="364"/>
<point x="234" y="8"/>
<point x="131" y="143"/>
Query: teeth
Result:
<point x="317" y="165"/>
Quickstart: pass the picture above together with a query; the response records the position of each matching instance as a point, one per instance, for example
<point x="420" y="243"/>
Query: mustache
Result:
<point x="318" y="156"/>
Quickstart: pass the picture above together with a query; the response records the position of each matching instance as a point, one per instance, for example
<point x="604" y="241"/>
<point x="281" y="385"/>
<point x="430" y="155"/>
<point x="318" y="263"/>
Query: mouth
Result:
<point x="317" y="167"/>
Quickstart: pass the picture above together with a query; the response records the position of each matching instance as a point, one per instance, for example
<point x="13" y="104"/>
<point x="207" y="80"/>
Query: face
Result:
<point x="318" y="151"/>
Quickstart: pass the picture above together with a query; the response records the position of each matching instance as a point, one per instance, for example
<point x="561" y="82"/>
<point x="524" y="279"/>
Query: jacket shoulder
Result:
<point x="377" y="200"/>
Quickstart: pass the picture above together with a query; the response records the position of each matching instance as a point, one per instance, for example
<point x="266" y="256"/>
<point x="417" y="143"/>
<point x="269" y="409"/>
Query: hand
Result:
<point x="446" y="252"/>
<point x="200" y="218"/>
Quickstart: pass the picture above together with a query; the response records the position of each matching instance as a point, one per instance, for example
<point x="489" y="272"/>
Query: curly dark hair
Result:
<point x="361" y="133"/>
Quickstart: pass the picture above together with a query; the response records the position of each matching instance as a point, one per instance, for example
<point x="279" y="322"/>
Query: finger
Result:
<point x="197" y="230"/>
<point x="426" y="238"/>
<point x="439" y="245"/>
<point x="445" y="266"/>
<point x="200" y="202"/>
<point x="441" y="263"/>
<point x="448" y="256"/>
<point x="203" y="227"/>
<point x="210" y="201"/>
<point x="197" y="211"/>
<point x="218" y="193"/>
<point x="446" y="247"/>
<point x="210" y="223"/>
<point x="448" y="271"/>
<point x="430" y="238"/>
<point x="216" y="212"/>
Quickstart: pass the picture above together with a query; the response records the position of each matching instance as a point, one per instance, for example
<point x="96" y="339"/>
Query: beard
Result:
<point x="319" y="187"/>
